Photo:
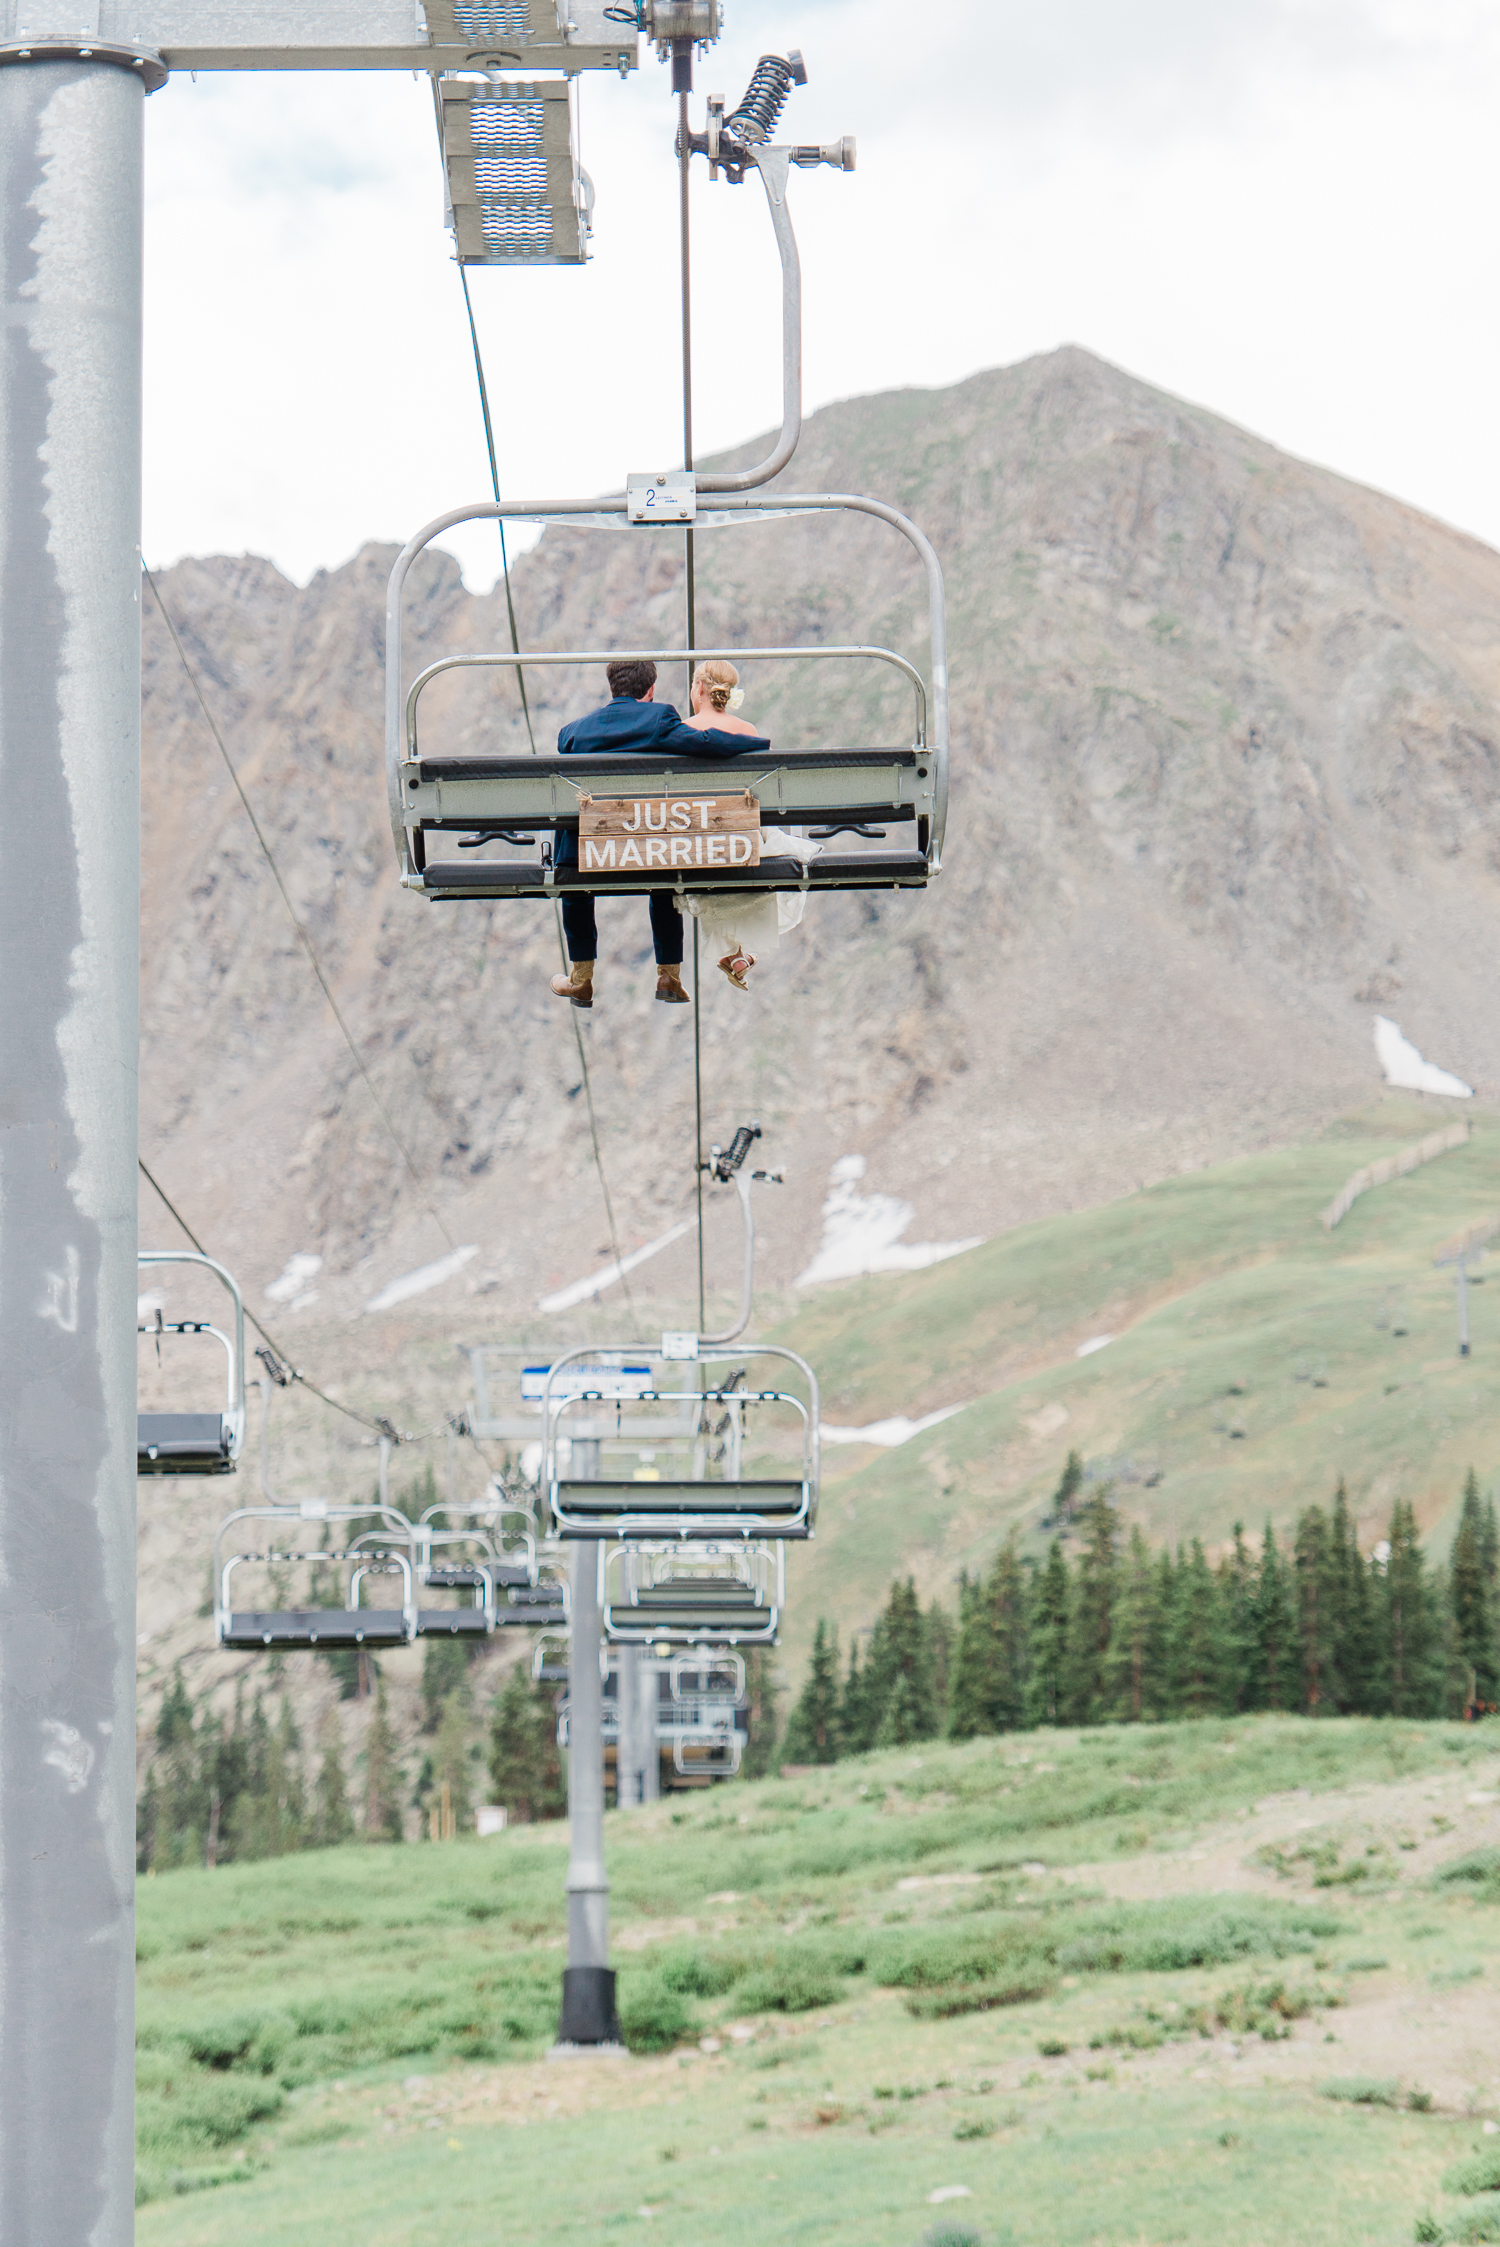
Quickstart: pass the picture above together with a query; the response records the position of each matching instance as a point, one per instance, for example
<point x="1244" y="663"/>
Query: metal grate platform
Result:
<point x="516" y="195"/>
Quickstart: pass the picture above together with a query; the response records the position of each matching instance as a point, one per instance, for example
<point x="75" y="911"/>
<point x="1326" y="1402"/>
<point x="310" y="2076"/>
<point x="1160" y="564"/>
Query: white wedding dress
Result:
<point x="752" y="921"/>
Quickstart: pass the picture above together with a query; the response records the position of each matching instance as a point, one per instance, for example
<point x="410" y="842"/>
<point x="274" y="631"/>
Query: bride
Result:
<point x="733" y="920"/>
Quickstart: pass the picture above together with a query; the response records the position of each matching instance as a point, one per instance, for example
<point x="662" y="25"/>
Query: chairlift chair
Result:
<point x="688" y="1503"/>
<point x="195" y="1443"/>
<point x="836" y="790"/>
<point x="706" y="1700"/>
<point x="384" y="1549"/>
<point x="676" y="1595"/>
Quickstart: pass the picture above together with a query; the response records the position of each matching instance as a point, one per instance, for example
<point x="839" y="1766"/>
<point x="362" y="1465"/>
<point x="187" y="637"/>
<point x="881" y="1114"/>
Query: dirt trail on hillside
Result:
<point x="1436" y="2029"/>
<point x="1421" y="1823"/>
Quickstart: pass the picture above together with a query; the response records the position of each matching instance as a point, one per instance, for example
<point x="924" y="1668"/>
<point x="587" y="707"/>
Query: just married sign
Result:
<point x="633" y="834"/>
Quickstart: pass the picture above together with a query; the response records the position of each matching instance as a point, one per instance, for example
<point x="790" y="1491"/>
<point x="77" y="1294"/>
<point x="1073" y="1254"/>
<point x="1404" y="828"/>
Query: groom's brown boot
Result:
<point x="579" y="986"/>
<point x="669" y="986"/>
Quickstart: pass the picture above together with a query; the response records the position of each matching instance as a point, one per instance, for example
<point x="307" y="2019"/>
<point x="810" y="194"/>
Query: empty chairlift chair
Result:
<point x="694" y="1595"/>
<point x="701" y="1717"/>
<point x="194" y="1443"/>
<point x="478" y="1549"/>
<point x="695" y="1432"/>
<point x="380" y="1551"/>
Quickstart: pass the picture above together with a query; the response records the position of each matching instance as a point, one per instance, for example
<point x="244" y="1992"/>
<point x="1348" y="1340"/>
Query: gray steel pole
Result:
<point x="650" y="1735"/>
<point x="630" y="1749"/>
<point x="1463" y="1307"/>
<point x="588" y="2008"/>
<point x="70" y="440"/>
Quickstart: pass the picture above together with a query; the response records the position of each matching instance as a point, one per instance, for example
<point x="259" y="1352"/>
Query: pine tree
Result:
<point x="1051" y="1604"/>
<point x="1274" y="1683"/>
<point x="1065" y="1497"/>
<point x="973" y="1682"/>
<point x="901" y="1719"/>
<point x="939" y="1629"/>
<point x="147" y="1818"/>
<point x="1134" y="1693"/>
<point x="525" y="1764"/>
<point x="856" y="1726"/>
<point x="1236" y="1590"/>
<point x="812" y="1733"/>
<point x="1411" y="1630"/>
<point x="1008" y="1596"/>
<point x="900" y="1648"/>
<point x="1095" y="1590"/>
<point x="332" y="1822"/>
<point x="1317" y="1613"/>
<point x="760" y="1755"/>
<point x="1162" y="1667"/>
<point x="383" y="1820"/>
<point x="223" y="1767"/>
<point x="178" y="1810"/>
<point x="268" y="1817"/>
<point x="1356" y="1652"/>
<point x="445" y="1671"/>
<point x="451" y="1778"/>
<point x="1198" y="1653"/>
<point x="1472" y="1596"/>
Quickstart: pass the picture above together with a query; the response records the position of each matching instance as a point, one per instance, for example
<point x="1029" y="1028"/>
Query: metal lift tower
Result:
<point x="74" y="75"/>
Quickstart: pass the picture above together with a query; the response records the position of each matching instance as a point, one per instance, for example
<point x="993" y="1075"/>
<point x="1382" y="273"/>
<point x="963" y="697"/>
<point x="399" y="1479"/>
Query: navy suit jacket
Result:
<point x="632" y="728"/>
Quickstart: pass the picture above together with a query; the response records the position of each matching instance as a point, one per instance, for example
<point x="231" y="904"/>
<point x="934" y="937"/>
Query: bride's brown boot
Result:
<point x="669" y="986"/>
<point x="579" y="986"/>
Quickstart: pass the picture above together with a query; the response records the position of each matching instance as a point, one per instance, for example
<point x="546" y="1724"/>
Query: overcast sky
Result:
<point x="1285" y="210"/>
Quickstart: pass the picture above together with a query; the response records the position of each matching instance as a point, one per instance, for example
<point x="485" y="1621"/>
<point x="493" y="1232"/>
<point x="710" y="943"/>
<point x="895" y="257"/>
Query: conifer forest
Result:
<point x="1122" y="1634"/>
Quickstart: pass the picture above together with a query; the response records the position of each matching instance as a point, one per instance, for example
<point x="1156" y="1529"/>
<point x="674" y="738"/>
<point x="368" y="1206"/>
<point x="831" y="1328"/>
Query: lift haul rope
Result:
<point x="515" y="642"/>
<point x="307" y="943"/>
<point x="381" y="1426"/>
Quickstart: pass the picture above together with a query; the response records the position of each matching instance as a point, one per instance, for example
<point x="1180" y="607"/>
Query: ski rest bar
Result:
<point x="316" y="1627"/>
<point x="873" y="869"/>
<point x="534" y="1614"/>
<point x="453" y="1622"/>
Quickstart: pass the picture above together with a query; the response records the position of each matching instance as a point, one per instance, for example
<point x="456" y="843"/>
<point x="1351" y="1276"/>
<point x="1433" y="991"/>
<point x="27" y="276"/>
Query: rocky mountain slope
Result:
<point x="1226" y="780"/>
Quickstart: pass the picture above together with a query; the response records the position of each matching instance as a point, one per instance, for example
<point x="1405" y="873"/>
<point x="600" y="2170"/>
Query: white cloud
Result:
<point x="1277" y="211"/>
<point x="1404" y="1066"/>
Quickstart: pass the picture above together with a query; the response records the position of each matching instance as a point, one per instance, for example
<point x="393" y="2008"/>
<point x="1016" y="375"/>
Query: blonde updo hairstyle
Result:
<point x="719" y="682"/>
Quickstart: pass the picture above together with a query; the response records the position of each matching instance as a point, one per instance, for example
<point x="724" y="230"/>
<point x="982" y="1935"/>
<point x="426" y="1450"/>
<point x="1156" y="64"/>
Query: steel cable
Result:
<point x="307" y="943"/>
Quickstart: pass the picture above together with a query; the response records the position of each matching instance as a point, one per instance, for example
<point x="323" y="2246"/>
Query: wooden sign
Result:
<point x="682" y="834"/>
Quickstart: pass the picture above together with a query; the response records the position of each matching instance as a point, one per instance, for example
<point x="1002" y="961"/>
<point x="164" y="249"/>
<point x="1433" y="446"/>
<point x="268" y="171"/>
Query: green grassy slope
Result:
<point x="921" y="1999"/>
<point x="1256" y="1358"/>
